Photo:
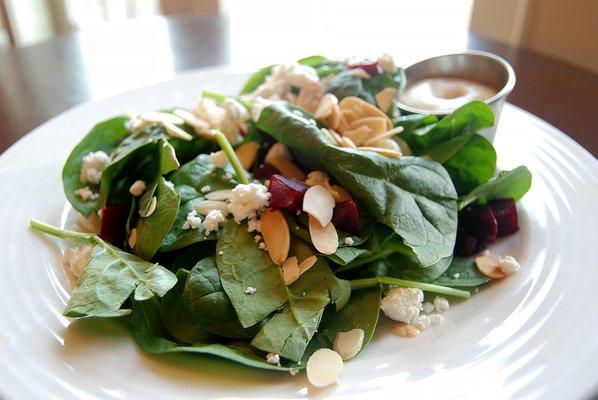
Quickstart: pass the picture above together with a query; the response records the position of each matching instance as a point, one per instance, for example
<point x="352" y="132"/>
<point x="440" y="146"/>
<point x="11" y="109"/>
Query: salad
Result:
<point x="270" y="227"/>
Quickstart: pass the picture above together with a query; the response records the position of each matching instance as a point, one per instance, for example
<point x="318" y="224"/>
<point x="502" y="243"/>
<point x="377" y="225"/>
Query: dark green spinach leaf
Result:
<point x="462" y="273"/>
<point x="506" y="185"/>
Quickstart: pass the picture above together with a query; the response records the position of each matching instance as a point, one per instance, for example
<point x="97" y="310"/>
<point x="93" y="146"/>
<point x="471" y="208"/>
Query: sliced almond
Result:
<point x="326" y="106"/>
<point x="383" y="152"/>
<point x="319" y="203"/>
<point x="359" y="73"/>
<point x="151" y="207"/>
<point x="200" y="126"/>
<point x="348" y="344"/>
<point x="175" y="131"/>
<point x="278" y="150"/>
<point x="317" y="178"/>
<point x="347" y="114"/>
<point x="277" y="235"/>
<point x="204" y="207"/>
<point x="387" y="63"/>
<point x="404" y="330"/>
<point x="160" y="117"/>
<point x="334" y="119"/>
<point x="362" y="109"/>
<point x="246" y="153"/>
<point x="358" y="135"/>
<point x="324" y="367"/>
<point x="337" y="138"/>
<point x="329" y="135"/>
<point x="382" y="136"/>
<point x="339" y="193"/>
<point x="133" y="238"/>
<point x="346" y="142"/>
<point x="404" y="146"/>
<point x="219" y="195"/>
<point x="324" y="238"/>
<point x="287" y="168"/>
<point x="310" y="96"/>
<point x="385" y="97"/>
<point x="290" y="270"/>
<point x="376" y="124"/>
<point x="343" y="125"/>
<point x="489" y="266"/>
<point x="307" y="264"/>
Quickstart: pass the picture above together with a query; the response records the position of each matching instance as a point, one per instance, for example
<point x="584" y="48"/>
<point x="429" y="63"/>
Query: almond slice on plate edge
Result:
<point x="276" y="234"/>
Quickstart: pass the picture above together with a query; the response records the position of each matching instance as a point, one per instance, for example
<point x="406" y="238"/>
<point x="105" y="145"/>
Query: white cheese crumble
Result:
<point x="247" y="200"/>
<point x="428" y="307"/>
<point x="508" y="265"/>
<point x="193" y="221"/>
<point x="456" y="275"/>
<point x="250" y="290"/>
<point x="219" y="159"/>
<point x="220" y="253"/>
<point x="213" y="221"/>
<point x="93" y="165"/>
<point x="85" y="193"/>
<point x="422" y="322"/>
<point x="206" y="189"/>
<point x="282" y="78"/>
<point x="76" y="259"/>
<point x="254" y="225"/>
<point x="273" y="358"/>
<point x="262" y="246"/>
<point x="257" y="238"/>
<point x="441" y="304"/>
<point x="349" y="241"/>
<point x="137" y="188"/>
<point x="402" y="304"/>
<point x="436" y="318"/>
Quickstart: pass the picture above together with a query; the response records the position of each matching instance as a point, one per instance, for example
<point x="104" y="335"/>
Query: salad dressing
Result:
<point x="435" y="94"/>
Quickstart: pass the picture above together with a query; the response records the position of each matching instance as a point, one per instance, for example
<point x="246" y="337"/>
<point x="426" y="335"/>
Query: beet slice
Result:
<point x="286" y="193"/>
<point x="479" y="221"/>
<point x="371" y="67"/>
<point x="264" y="171"/>
<point x="346" y="217"/>
<point x="114" y="222"/>
<point x="505" y="213"/>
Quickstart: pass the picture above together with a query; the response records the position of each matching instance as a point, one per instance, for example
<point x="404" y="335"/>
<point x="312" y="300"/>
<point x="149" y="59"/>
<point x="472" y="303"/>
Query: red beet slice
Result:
<point x="286" y="193"/>
<point x="264" y="171"/>
<point x="479" y="221"/>
<point x="346" y="217"/>
<point x="505" y="212"/>
<point x="113" y="225"/>
<point x="371" y="67"/>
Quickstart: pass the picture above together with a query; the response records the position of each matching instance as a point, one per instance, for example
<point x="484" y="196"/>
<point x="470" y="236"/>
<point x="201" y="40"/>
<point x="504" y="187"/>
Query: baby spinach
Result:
<point x="153" y="229"/>
<point x="462" y="273"/>
<point x="110" y="277"/>
<point x="151" y="335"/>
<point x="473" y="164"/>
<point x="105" y="136"/>
<point x="208" y="303"/>
<point x="256" y="80"/>
<point x="177" y="318"/>
<point x="412" y="195"/>
<point x="401" y="266"/>
<point x="344" y="85"/>
<point x="506" y="185"/>
<point x="201" y="172"/>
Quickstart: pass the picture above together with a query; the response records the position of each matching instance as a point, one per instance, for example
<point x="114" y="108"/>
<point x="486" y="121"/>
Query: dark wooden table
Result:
<point x="39" y="82"/>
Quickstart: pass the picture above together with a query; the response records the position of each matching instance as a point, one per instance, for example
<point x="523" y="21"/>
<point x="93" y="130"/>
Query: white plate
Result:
<point x="530" y="336"/>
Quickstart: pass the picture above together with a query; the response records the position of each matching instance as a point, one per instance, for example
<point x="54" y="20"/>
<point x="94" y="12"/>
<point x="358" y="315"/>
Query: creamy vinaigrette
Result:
<point x="436" y="94"/>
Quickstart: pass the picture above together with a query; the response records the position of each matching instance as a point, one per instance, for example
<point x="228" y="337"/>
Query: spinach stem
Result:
<point x="61" y="233"/>
<point x="427" y="287"/>
<point x="232" y="157"/>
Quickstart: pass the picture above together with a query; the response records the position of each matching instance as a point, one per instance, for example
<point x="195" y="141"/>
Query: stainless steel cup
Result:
<point x="479" y="66"/>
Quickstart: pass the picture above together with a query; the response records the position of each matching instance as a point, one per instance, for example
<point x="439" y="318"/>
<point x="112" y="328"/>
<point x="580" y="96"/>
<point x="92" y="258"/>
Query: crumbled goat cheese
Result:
<point x="282" y="78"/>
<point x="428" y="307"/>
<point x="86" y="194"/>
<point x="456" y="275"/>
<point x="259" y="103"/>
<point x="402" y="304"/>
<point x="208" y="111"/>
<point x="436" y="318"/>
<point x="250" y="290"/>
<point x="228" y="175"/>
<point x="219" y="159"/>
<point x="272" y="358"/>
<point x="441" y="304"/>
<point x="247" y="200"/>
<point x="349" y="241"/>
<point x="220" y="253"/>
<point x="508" y="265"/>
<point x="257" y="238"/>
<point x="234" y="116"/>
<point x="76" y="259"/>
<point x="193" y="221"/>
<point x="93" y="165"/>
<point x="206" y="189"/>
<point x="254" y="225"/>
<point x="262" y="246"/>
<point x="422" y="322"/>
<point x="137" y="188"/>
<point x="213" y="221"/>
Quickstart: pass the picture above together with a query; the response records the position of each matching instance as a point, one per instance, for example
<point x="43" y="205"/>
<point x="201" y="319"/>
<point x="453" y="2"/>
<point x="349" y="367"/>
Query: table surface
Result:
<point x="41" y="81"/>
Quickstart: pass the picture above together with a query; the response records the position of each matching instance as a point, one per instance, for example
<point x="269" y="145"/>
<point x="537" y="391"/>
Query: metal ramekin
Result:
<point x="479" y="66"/>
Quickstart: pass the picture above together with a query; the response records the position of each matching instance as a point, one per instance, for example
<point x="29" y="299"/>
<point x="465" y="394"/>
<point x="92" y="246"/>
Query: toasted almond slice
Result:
<point x="287" y="168"/>
<point x="387" y="63"/>
<point x="334" y="119"/>
<point x="277" y="235"/>
<point x="348" y="114"/>
<point x="278" y="150"/>
<point x="290" y="270"/>
<point x="329" y="135"/>
<point x="326" y="106"/>
<point x="404" y="146"/>
<point x="192" y="120"/>
<point x="319" y="203"/>
<point x="376" y="124"/>
<point x="133" y="238"/>
<point x="317" y="178"/>
<point x="175" y="131"/>
<point x="360" y="73"/>
<point x="359" y="135"/>
<point x="343" y="125"/>
<point x="310" y="96"/>
<point x="348" y="344"/>
<point x="151" y="207"/>
<point x="220" y="195"/>
<point x="247" y="153"/>
<point x="489" y="266"/>
<point x="404" y="330"/>
<point x="385" y="97"/>
<point x="346" y="142"/>
<point x="292" y="98"/>
<point x="324" y="238"/>
<point x="339" y="193"/>
<point x="307" y="264"/>
<point x="362" y="109"/>
<point x="382" y="136"/>
<point x="204" y="207"/>
<point x="324" y="367"/>
<point x="383" y="152"/>
<point x="160" y="117"/>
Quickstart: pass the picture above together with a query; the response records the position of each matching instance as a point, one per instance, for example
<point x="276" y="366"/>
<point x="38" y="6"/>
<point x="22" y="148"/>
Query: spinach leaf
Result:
<point x="177" y="237"/>
<point x="401" y="266"/>
<point x="462" y="273"/>
<point x="105" y="136"/>
<point x="177" y="318"/>
<point x="344" y="85"/>
<point x="362" y="311"/>
<point x="188" y="256"/>
<point x="201" y="172"/>
<point x="506" y="185"/>
<point x="313" y="61"/>
<point x="153" y="229"/>
<point x="473" y="164"/>
<point x="208" y="303"/>
<point x="151" y="335"/>
<point x="256" y="80"/>
<point x="412" y="195"/>
<point x="242" y="264"/>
